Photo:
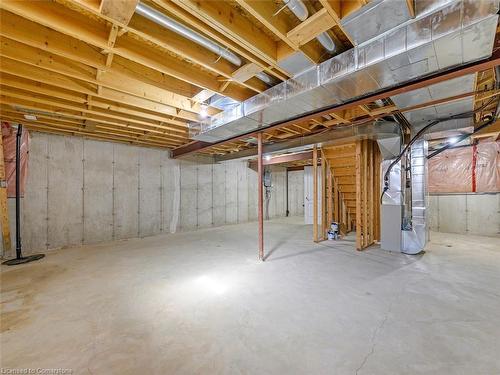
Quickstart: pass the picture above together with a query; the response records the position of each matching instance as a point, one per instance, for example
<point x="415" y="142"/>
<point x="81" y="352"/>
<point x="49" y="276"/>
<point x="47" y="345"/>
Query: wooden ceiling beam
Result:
<point x="334" y="8"/>
<point x="95" y="127"/>
<point x="15" y="95"/>
<point x="39" y="106"/>
<point x="221" y="16"/>
<point x="279" y="25"/>
<point x="67" y="95"/>
<point x="100" y="131"/>
<point x="87" y="126"/>
<point x="119" y="10"/>
<point x="57" y="71"/>
<point x="27" y="32"/>
<point x="181" y="46"/>
<point x="98" y="128"/>
<point x="146" y="30"/>
<point x="24" y="76"/>
<point x="307" y="30"/>
<point x="14" y="46"/>
<point x="93" y="101"/>
<point x="103" y="136"/>
<point x="411" y="7"/>
<point x="30" y="33"/>
<point x="66" y="21"/>
<point x="280" y="159"/>
<point x="199" y="25"/>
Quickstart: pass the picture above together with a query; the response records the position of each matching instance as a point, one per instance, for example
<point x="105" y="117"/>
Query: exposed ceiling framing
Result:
<point x="97" y="69"/>
<point x="363" y="111"/>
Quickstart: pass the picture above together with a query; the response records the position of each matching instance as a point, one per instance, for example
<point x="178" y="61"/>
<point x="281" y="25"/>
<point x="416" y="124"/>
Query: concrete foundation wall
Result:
<point x="81" y="191"/>
<point x="477" y="214"/>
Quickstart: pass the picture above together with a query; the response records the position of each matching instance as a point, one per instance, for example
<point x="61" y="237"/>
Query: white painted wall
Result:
<point x="296" y="193"/>
<point x="82" y="191"/>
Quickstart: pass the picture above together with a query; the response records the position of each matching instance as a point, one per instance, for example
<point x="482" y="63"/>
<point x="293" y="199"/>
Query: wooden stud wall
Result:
<point x="367" y="193"/>
<point x="352" y="183"/>
<point x="341" y="185"/>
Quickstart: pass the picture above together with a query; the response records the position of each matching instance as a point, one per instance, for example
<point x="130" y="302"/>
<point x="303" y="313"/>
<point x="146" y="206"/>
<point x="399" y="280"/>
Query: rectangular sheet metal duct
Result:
<point x="457" y="33"/>
<point x="375" y="18"/>
<point x="420" y="117"/>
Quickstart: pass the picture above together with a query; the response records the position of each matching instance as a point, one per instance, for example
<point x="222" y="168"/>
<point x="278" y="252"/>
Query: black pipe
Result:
<point x="19" y="259"/>
<point x="18" y="191"/>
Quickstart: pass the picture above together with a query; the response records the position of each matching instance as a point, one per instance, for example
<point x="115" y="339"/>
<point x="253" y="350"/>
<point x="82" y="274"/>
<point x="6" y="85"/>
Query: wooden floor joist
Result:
<point x="104" y="62"/>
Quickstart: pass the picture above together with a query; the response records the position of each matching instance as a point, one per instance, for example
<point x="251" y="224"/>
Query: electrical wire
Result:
<point x="463" y="137"/>
<point x="492" y="120"/>
<point x="423" y="130"/>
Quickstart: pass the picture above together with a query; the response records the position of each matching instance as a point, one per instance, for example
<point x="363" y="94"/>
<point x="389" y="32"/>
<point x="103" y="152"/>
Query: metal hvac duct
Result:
<point x="371" y="130"/>
<point x="419" y="118"/>
<point x="457" y="33"/>
<point x="298" y="8"/>
<point x="404" y="225"/>
<point x="171" y="24"/>
<point x="375" y="18"/>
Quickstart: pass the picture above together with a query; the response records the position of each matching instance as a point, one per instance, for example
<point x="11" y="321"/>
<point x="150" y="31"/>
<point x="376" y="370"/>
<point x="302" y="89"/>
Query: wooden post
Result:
<point x="336" y="206"/>
<point x="7" y="244"/>
<point x="323" y="196"/>
<point x="358" y="196"/>
<point x="371" y="199"/>
<point x="377" y="193"/>
<point x="330" y="194"/>
<point x="260" y="171"/>
<point x="315" y="194"/>
<point x="364" y="185"/>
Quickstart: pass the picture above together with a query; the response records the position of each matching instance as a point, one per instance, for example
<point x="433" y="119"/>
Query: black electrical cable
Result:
<point x="421" y="132"/>
<point x="463" y="137"/>
<point x="481" y="127"/>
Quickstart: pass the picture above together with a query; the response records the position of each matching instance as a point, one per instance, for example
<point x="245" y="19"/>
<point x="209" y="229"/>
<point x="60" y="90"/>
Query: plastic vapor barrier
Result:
<point x="9" y="154"/>
<point x="466" y="169"/>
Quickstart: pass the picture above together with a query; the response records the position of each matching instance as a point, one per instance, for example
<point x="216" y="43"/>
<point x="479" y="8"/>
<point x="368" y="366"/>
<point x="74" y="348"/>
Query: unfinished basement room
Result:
<point x="250" y="187"/>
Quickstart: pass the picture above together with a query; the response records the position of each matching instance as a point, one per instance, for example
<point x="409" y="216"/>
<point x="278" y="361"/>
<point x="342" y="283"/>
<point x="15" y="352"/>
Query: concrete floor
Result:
<point x="201" y="303"/>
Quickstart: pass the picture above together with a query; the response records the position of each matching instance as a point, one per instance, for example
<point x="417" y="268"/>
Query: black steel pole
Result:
<point x="19" y="259"/>
<point x="18" y="191"/>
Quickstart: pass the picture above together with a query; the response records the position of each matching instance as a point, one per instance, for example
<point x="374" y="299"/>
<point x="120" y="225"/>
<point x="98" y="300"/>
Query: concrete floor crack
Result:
<point x="379" y="328"/>
<point x="374" y="340"/>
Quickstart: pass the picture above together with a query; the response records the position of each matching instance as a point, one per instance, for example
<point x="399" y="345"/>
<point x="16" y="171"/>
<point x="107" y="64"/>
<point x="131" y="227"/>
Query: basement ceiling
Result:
<point x="85" y="68"/>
